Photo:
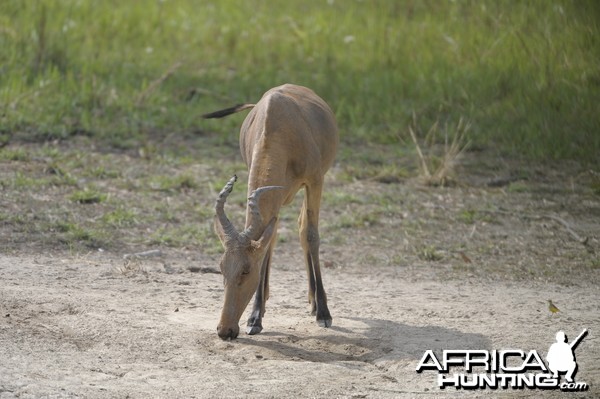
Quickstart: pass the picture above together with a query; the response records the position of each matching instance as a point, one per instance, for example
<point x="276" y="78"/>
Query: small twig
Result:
<point x="473" y="231"/>
<point x="154" y="84"/>
<point x="501" y="181"/>
<point x="145" y="254"/>
<point x="200" y="90"/>
<point x="583" y="240"/>
<point x="572" y="233"/>
<point x="421" y="157"/>
<point x="204" y="270"/>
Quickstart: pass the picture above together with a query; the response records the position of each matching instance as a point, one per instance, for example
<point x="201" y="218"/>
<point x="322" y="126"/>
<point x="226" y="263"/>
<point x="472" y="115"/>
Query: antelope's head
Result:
<point x="243" y="257"/>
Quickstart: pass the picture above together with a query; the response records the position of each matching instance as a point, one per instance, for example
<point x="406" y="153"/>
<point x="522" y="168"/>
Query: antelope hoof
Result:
<point x="254" y="325"/>
<point x="253" y="330"/>
<point x="325" y="323"/>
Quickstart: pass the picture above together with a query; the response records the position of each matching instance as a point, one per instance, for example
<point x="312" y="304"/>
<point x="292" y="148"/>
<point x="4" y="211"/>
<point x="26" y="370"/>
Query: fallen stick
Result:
<point x="583" y="240"/>
<point x="572" y="233"/>
<point x="145" y="254"/>
<point x="155" y="83"/>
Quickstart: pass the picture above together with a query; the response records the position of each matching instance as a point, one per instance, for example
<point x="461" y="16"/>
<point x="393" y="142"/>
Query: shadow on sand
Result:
<point x="370" y="340"/>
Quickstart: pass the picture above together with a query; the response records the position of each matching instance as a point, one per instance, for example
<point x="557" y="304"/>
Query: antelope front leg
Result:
<point x="254" y="325"/>
<point x="309" y="238"/>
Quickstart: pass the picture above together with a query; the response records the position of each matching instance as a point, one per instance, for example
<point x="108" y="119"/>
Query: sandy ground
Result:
<point x="97" y="326"/>
<point x="407" y="268"/>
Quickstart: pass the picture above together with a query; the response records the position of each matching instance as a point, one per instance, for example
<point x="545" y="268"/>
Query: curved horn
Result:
<point x="225" y="223"/>
<point x="252" y="231"/>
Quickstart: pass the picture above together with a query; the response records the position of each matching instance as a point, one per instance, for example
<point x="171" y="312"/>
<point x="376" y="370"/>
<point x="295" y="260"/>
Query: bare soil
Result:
<point x="407" y="268"/>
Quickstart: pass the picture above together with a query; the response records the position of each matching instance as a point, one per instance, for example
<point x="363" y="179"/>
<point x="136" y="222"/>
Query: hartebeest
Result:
<point x="288" y="141"/>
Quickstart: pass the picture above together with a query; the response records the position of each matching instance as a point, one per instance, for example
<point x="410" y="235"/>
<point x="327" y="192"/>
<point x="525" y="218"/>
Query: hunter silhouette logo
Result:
<point x="561" y="356"/>
<point x="509" y="368"/>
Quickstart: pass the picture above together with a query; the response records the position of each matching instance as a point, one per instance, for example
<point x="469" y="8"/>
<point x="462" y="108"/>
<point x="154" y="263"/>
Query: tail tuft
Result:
<point x="227" y="111"/>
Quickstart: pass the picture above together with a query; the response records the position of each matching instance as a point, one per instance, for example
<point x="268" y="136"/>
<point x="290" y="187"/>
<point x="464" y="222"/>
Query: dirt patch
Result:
<point x="79" y="327"/>
<point x="407" y="268"/>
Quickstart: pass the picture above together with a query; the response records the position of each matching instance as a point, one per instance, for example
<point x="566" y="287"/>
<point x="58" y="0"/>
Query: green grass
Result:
<point x="89" y="195"/>
<point x="73" y="233"/>
<point x="60" y="197"/>
<point x="428" y="253"/>
<point x="517" y="187"/>
<point x="17" y="154"/>
<point x="120" y="217"/>
<point x="525" y="74"/>
<point x="173" y="183"/>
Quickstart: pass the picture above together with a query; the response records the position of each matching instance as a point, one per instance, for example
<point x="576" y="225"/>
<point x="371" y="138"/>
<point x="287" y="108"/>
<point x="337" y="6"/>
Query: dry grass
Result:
<point x="435" y="168"/>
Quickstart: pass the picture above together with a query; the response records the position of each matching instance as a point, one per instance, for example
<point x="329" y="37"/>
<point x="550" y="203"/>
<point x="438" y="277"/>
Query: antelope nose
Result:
<point x="226" y="333"/>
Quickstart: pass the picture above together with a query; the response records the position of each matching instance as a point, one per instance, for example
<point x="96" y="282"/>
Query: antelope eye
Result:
<point x="245" y="270"/>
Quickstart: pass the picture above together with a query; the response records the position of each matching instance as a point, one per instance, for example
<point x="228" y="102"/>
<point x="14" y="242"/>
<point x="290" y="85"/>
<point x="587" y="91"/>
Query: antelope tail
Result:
<point x="228" y="111"/>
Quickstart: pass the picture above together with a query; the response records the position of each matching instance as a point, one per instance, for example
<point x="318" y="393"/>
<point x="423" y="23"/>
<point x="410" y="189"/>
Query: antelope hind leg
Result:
<point x="309" y="238"/>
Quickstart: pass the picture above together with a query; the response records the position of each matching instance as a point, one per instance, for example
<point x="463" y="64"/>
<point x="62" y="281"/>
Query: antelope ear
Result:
<point x="266" y="236"/>
<point x="220" y="232"/>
